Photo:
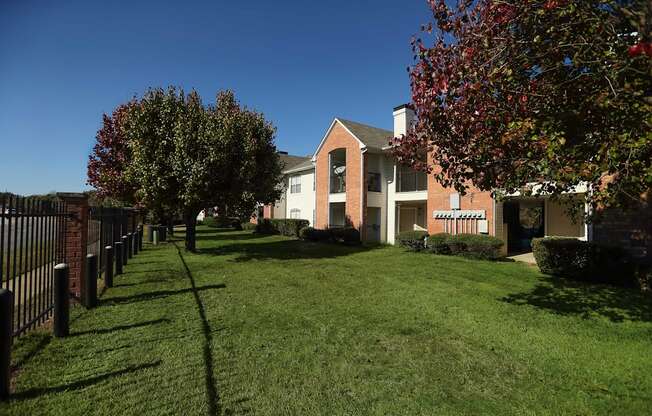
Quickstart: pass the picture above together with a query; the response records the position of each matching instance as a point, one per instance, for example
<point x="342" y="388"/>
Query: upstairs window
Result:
<point x="295" y="184"/>
<point x="373" y="182"/>
<point x="410" y="180"/>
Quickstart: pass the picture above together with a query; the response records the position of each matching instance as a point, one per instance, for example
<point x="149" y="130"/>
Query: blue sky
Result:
<point x="64" y="63"/>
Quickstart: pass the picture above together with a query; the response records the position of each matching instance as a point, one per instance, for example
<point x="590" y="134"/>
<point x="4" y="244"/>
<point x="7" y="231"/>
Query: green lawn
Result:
<point x="272" y="326"/>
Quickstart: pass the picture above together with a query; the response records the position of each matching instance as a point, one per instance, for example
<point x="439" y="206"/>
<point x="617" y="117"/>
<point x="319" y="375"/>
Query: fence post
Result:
<point x="130" y="245"/>
<point x="118" y="257"/>
<point x="155" y="237"/>
<point x="76" y="239"/>
<point x="134" y="242"/>
<point x="61" y="300"/>
<point x="108" y="263"/>
<point x="140" y="238"/>
<point x="90" y="292"/>
<point x="124" y="250"/>
<point x="6" y="319"/>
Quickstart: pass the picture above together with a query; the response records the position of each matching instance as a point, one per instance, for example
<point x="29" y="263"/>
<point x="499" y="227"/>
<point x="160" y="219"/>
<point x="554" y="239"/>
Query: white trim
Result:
<point x="321" y="144"/>
<point x="297" y="170"/>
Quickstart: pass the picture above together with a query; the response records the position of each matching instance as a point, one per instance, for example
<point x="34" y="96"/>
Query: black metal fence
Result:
<point x="31" y="244"/>
<point x="107" y="226"/>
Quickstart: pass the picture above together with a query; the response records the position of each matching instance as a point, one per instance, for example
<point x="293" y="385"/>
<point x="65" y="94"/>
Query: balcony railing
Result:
<point x="338" y="184"/>
<point x="410" y="180"/>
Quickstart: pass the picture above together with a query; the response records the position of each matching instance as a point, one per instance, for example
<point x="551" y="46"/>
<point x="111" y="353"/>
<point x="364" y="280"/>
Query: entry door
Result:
<point x="525" y="221"/>
<point x="373" y="224"/>
<point x="408" y="219"/>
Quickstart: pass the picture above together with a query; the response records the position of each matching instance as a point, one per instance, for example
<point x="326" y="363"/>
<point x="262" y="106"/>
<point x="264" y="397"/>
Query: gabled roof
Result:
<point x="289" y="162"/>
<point x="368" y="137"/>
<point x="305" y="165"/>
<point x="372" y="137"/>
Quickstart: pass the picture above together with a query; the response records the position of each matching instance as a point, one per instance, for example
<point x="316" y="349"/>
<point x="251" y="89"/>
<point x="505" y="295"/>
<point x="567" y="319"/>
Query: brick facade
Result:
<point x="340" y="138"/>
<point x="629" y="229"/>
<point x="439" y="200"/>
<point x="76" y="239"/>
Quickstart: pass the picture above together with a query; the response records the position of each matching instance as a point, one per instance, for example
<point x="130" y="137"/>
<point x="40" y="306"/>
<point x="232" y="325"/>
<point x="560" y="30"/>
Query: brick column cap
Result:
<point x="67" y="196"/>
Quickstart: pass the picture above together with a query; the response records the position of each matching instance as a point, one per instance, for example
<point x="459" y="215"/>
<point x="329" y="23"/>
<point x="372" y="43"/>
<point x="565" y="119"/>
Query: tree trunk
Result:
<point x="171" y="227"/>
<point x="191" y="224"/>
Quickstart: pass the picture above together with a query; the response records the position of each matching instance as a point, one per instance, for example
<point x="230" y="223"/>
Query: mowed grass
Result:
<point x="272" y="326"/>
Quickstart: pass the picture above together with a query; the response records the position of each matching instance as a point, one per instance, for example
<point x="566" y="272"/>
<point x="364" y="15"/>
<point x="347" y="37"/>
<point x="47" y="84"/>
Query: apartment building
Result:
<point x="353" y="180"/>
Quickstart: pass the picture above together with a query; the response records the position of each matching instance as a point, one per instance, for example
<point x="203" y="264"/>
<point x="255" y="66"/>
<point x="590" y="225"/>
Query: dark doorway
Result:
<point x="525" y="221"/>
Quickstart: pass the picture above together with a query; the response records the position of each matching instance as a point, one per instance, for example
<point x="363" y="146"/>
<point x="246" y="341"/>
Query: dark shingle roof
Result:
<point x="289" y="162"/>
<point x="305" y="165"/>
<point x="372" y="137"/>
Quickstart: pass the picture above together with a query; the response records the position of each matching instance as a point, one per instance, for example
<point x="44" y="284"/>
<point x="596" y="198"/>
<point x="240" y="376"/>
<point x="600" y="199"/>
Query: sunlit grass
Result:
<point x="272" y="326"/>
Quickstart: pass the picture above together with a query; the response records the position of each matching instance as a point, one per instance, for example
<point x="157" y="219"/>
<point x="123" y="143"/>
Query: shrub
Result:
<point x="313" y="234"/>
<point x="438" y="243"/>
<point x="290" y="227"/>
<point x="347" y="235"/>
<point x="477" y="246"/>
<point x="287" y="227"/>
<point x="210" y="222"/>
<point x="265" y="226"/>
<point x="248" y="226"/>
<point x="412" y="240"/>
<point x="582" y="260"/>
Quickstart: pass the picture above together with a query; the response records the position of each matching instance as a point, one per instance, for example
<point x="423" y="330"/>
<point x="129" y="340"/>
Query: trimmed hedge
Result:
<point x="222" y="222"/>
<point x="287" y="227"/>
<point x="582" y="260"/>
<point x="476" y="246"/>
<point x="248" y="226"/>
<point x="348" y="235"/>
<point x="437" y="243"/>
<point x="412" y="240"/>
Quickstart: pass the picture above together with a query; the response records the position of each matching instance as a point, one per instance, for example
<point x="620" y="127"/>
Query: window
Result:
<point x="295" y="184"/>
<point x="295" y="214"/>
<point x="409" y="180"/>
<point x="373" y="182"/>
<point x="338" y="171"/>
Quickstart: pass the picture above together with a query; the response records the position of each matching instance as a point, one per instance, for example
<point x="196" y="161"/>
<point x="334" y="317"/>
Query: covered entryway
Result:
<point x="374" y="222"/>
<point x="524" y="220"/>
<point x="411" y="216"/>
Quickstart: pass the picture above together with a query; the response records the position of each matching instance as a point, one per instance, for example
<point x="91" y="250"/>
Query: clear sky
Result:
<point x="300" y="62"/>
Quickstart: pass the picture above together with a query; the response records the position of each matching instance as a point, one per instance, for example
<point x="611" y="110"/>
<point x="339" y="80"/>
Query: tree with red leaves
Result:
<point x="513" y="93"/>
<point x="110" y="158"/>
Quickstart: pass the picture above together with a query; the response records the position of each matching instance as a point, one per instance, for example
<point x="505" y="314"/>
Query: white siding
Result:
<point x="303" y="201"/>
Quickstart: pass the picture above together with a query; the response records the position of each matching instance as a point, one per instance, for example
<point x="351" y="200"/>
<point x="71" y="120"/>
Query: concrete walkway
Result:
<point x="524" y="258"/>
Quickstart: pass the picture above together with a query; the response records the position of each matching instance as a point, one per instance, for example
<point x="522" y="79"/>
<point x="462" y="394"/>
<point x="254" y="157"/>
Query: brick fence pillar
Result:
<point x="76" y="238"/>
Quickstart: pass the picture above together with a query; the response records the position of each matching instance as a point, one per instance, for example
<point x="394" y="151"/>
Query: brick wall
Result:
<point x="76" y="239"/>
<point x="339" y="138"/>
<point x="630" y="229"/>
<point x="439" y="200"/>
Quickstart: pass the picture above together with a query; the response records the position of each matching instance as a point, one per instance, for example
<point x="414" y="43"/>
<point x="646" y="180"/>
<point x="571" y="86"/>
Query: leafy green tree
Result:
<point x="186" y="156"/>
<point x="555" y="92"/>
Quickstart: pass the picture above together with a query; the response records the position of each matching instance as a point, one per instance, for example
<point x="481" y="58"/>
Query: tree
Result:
<point x="186" y="156"/>
<point x="111" y="157"/>
<point x="553" y="92"/>
<point x="224" y="156"/>
<point x="149" y="130"/>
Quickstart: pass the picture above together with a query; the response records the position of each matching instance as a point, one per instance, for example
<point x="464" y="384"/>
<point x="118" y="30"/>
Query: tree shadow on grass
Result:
<point x="285" y="250"/>
<point x="34" y="393"/>
<point x="567" y="297"/>
<point x="143" y="297"/>
<point x="120" y="328"/>
<point x="212" y="392"/>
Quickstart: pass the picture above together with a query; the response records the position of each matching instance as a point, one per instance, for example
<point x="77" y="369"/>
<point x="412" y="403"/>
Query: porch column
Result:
<point x="391" y="207"/>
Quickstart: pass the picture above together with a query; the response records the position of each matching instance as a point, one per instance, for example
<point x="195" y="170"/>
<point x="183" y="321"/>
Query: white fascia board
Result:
<point x="321" y="144"/>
